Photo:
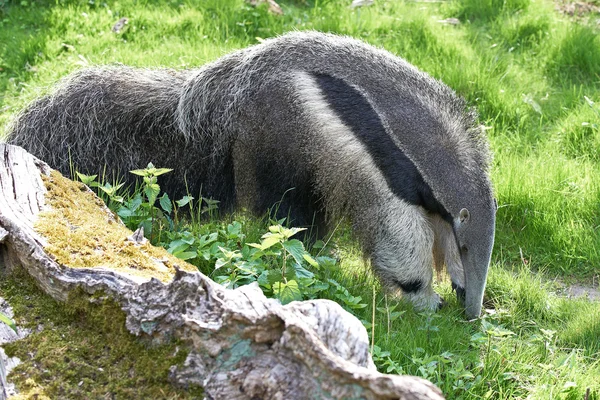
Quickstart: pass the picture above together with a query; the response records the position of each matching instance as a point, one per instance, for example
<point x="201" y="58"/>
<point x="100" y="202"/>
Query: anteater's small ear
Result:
<point x="464" y="215"/>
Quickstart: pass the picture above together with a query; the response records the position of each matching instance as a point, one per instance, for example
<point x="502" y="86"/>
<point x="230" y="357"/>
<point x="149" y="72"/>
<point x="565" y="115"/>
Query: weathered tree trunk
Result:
<point x="242" y="345"/>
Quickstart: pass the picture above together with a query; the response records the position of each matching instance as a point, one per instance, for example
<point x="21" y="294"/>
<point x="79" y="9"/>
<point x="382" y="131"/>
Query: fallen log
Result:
<point x="241" y="344"/>
<point x="7" y="335"/>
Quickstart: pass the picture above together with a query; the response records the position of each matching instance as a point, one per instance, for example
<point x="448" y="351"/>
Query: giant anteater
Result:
<point x="353" y="129"/>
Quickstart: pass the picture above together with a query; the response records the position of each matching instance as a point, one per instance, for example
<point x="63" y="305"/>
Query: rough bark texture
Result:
<point x="242" y="345"/>
<point x="7" y="335"/>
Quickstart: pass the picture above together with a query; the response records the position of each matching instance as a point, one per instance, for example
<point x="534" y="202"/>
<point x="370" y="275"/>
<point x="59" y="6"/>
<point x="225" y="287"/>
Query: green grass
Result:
<point x="530" y="342"/>
<point x="534" y="76"/>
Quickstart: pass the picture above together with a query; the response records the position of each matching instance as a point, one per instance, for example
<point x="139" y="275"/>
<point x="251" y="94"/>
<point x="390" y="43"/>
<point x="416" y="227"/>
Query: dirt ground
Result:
<point x="593" y="293"/>
<point x="578" y="8"/>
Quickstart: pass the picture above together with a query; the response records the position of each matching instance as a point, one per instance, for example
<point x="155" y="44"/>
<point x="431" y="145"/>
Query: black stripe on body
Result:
<point x="401" y="175"/>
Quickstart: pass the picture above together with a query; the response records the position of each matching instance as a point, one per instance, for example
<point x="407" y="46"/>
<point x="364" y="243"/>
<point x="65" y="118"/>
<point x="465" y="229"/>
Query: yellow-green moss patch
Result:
<point x="80" y="350"/>
<point x="82" y="233"/>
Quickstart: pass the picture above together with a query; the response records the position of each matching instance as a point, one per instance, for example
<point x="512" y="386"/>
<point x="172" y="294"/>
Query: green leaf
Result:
<point x="290" y="273"/>
<point x="185" y="255"/>
<point x="275" y="228"/>
<point x="478" y="338"/>
<point x="302" y="272"/>
<point x="320" y="286"/>
<point x="152" y="192"/>
<point x="177" y="246"/>
<point x="111" y="190"/>
<point x="503" y="332"/>
<point x="188" y="238"/>
<point x="86" y="179"/>
<point x="289" y="232"/>
<point x="273" y="276"/>
<point x="310" y="260"/>
<point x="185" y="200"/>
<point x="165" y="203"/>
<point x="108" y="189"/>
<point x="139" y="172"/>
<point x="247" y="268"/>
<point x="207" y="239"/>
<point x="296" y="249"/>
<point x="134" y="203"/>
<point x="210" y="202"/>
<point x="230" y="255"/>
<point x="319" y="244"/>
<point x="263" y="280"/>
<point x="549" y="334"/>
<point x="234" y="229"/>
<point x="8" y="321"/>
<point x="125" y="212"/>
<point x="269" y="242"/>
<point x="326" y="262"/>
<point x="220" y="263"/>
<point x="161" y="171"/>
<point x="396" y="314"/>
<point x="287" y="292"/>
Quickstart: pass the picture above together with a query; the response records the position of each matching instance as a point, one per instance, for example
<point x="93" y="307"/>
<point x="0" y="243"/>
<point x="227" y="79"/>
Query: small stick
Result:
<point x="523" y="260"/>
<point x="373" y="323"/>
<point x="387" y="310"/>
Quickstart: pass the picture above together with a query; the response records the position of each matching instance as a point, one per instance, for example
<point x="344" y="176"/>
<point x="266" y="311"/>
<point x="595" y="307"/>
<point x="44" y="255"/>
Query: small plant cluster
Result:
<point x="6" y="320"/>
<point x="141" y="209"/>
<point x="280" y="264"/>
<point x="483" y="366"/>
<point x="450" y="372"/>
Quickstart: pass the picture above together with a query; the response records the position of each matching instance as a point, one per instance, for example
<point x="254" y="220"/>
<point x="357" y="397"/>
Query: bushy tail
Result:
<point x="118" y="118"/>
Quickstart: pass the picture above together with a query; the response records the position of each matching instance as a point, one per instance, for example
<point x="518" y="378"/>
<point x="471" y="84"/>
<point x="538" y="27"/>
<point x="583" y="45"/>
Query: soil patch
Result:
<point x="578" y="290"/>
<point x="575" y="291"/>
<point x="578" y="8"/>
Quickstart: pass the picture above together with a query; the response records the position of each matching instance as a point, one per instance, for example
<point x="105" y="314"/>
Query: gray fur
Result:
<point x="253" y="124"/>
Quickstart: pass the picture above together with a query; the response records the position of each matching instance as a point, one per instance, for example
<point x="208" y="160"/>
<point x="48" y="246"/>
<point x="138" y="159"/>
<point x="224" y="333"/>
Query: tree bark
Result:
<point x="242" y="345"/>
<point x="7" y="335"/>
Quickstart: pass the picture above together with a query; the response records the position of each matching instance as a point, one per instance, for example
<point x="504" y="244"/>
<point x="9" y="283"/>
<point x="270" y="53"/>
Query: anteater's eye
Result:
<point x="464" y="249"/>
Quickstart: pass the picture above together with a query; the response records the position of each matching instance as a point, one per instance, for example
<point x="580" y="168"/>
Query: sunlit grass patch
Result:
<point x="485" y="10"/>
<point x="576" y="56"/>
<point x="578" y="134"/>
<point x="549" y="213"/>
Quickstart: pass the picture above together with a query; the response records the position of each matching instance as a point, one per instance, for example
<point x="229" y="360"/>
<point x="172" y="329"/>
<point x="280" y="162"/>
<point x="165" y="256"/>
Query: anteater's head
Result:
<point x="474" y="227"/>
